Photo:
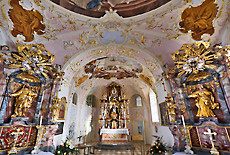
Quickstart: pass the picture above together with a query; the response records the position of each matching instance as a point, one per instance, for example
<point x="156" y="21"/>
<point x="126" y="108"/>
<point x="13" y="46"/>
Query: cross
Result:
<point x="213" y="149"/>
<point x="210" y="133"/>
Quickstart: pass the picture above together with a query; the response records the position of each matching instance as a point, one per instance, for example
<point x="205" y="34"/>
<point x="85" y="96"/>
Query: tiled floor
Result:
<point x="137" y="150"/>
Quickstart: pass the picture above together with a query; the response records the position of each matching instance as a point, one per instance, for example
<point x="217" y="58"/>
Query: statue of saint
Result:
<point x="171" y="107"/>
<point x="55" y="108"/>
<point x="204" y="102"/>
<point x="24" y="98"/>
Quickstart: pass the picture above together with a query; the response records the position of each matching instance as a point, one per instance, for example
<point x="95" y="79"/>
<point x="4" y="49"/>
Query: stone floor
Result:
<point x="136" y="151"/>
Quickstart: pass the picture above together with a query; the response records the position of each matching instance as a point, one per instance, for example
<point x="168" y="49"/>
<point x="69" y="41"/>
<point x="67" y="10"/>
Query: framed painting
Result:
<point x="164" y="115"/>
<point x="62" y="109"/>
<point x="60" y="128"/>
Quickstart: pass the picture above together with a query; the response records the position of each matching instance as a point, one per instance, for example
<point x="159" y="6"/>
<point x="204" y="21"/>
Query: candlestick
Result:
<point x="41" y="121"/>
<point x="85" y="137"/>
<point x="182" y="116"/>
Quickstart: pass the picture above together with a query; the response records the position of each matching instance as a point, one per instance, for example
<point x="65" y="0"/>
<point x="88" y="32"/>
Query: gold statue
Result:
<point x="24" y="98"/>
<point x="171" y="107"/>
<point x="55" y="108"/>
<point x="205" y="102"/>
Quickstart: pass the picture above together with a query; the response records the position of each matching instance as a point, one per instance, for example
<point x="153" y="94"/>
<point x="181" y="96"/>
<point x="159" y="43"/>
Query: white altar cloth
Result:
<point x="114" y="131"/>
<point x="42" y="153"/>
<point x="181" y="153"/>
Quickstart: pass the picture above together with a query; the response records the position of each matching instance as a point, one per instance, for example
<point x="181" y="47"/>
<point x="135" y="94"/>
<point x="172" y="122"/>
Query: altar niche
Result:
<point x="114" y="114"/>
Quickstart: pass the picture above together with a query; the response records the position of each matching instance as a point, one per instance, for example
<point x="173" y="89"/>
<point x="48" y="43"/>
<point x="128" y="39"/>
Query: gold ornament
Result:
<point x="33" y="58"/>
<point x="170" y="107"/>
<point x="195" y="57"/>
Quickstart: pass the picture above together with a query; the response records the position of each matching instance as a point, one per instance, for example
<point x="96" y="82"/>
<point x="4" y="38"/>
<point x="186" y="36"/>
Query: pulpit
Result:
<point x="114" y="115"/>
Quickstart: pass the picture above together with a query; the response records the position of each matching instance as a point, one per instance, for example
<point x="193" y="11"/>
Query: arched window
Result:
<point x="154" y="106"/>
<point x="74" y="99"/>
<point x="136" y="100"/>
<point x="91" y="101"/>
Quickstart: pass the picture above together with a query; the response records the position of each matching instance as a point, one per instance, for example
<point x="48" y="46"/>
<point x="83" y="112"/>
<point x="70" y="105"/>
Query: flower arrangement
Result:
<point x="67" y="148"/>
<point x="157" y="147"/>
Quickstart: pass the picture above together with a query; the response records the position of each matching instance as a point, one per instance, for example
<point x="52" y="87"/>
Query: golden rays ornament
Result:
<point x="195" y="57"/>
<point x="33" y="58"/>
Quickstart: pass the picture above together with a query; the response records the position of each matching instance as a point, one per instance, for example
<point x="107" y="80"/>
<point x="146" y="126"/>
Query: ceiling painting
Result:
<point x="199" y="19"/>
<point x="97" y="8"/>
<point x="25" y="22"/>
<point x="98" y="4"/>
<point x="113" y="67"/>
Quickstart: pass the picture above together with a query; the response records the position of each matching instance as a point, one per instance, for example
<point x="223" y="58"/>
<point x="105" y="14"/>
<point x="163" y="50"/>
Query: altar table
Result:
<point x="42" y="153"/>
<point x="114" y="135"/>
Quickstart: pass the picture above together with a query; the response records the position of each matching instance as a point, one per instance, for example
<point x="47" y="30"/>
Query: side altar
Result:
<point x="29" y="105"/>
<point x="198" y="112"/>
<point x="114" y="115"/>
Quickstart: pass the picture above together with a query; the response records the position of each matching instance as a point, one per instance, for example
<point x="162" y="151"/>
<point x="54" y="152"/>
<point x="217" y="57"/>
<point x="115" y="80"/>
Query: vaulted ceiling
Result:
<point x="144" y="31"/>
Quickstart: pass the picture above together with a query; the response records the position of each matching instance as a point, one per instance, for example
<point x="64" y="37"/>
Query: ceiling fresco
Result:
<point x="97" y="8"/>
<point x="113" y="67"/>
<point x="199" y="19"/>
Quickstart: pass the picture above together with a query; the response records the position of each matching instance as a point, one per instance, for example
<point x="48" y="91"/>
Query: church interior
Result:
<point x="115" y="77"/>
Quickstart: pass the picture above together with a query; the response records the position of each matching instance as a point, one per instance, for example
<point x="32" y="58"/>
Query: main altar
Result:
<point x="114" y="115"/>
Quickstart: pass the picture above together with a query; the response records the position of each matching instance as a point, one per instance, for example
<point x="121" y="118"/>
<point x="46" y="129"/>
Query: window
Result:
<point x="136" y="100"/>
<point x="91" y="101"/>
<point x="74" y="99"/>
<point x="153" y="106"/>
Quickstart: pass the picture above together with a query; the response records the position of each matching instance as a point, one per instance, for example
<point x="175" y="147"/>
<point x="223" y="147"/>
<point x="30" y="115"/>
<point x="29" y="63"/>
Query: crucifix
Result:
<point x="213" y="149"/>
<point x="16" y="135"/>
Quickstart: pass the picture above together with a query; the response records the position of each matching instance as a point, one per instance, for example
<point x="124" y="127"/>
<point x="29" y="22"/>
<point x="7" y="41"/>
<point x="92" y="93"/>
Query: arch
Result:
<point x="76" y="62"/>
<point x="80" y="59"/>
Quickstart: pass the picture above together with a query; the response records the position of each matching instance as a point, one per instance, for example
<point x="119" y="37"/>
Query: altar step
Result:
<point x="114" y="146"/>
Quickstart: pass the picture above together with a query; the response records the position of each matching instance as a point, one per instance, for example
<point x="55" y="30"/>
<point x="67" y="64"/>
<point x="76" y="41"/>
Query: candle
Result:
<point x="183" y="120"/>
<point x="41" y="121"/>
